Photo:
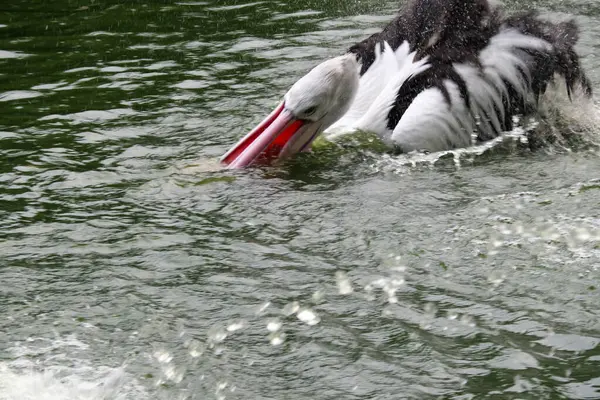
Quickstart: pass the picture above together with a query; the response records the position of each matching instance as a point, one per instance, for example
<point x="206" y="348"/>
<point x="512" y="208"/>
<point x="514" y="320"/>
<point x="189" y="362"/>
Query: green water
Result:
<point x="132" y="268"/>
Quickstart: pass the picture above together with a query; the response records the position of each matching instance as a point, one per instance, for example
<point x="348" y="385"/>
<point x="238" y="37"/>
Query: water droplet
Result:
<point x="221" y="386"/>
<point x="219" y="350"/>
<point x="379" y="283"/>
<point x="308" y="316"/>
<point x="216" y="335"/>
<point x="276" y="338"/>
<point x="318" y="296"/>
<point x="163" y="356"/>
<point x="291" y="308"/>
<point x="274" y="325"/>
<point x="343" y="283"/>
<point x="174" y="374"/>
<point x="195" y="348"/>
<point x="236" y="326"/>
<point x="263" y="307"/>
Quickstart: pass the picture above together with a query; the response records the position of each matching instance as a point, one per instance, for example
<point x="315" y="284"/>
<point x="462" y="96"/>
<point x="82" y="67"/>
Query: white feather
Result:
<point x="386" y="66"/>
<point x="430" y="124"/>
<point x="485" y="98"/>
<point x="503" y="60"/>
<point x="375" y="119"/>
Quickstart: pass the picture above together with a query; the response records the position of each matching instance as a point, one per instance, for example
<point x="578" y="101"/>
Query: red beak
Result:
<point x="274" y="138"/>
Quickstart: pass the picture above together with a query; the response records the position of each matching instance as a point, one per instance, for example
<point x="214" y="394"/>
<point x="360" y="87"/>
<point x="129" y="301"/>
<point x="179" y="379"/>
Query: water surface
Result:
<point x="131" y="269"/>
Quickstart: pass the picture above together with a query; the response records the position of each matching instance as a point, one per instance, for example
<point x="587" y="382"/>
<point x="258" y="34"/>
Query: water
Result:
<point x="132" y="268"/>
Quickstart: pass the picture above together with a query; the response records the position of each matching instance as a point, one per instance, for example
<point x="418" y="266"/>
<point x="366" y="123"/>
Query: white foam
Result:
<point x="65" y="383"/>
<point x="57" y="369"/>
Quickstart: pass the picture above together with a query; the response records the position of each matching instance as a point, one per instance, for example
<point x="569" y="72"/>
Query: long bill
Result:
<point x="278" y="136"/>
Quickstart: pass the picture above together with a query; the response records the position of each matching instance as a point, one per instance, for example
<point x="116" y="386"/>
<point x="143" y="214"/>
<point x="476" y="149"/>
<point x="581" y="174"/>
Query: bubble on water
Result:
<point x="163" y="356"/>
<point x="291" y="308"/>
<point x="195" y="348"/>
<point x="274" y="325"/>
<point x="236" y="326"/>
<point x="343" y="283"/>
<point x="308" y="316"/>
<point x="452" y="315"/>
<point x="276" y="338"/>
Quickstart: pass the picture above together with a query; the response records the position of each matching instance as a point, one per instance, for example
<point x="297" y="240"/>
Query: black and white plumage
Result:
<point x="443" y="74"/>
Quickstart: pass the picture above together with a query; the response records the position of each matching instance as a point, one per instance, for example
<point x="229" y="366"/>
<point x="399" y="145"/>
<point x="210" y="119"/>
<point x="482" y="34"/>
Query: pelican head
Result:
<point x="312" y="104"/>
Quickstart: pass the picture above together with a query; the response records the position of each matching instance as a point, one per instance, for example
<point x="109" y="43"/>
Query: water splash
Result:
<point x="343" y="283"/>
<point x="62" y="383"/>
<point x="308" y="316"/>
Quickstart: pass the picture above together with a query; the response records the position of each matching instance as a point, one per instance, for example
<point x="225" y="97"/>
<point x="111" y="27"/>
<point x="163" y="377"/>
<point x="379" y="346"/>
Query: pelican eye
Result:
<point x="310" y="111"/>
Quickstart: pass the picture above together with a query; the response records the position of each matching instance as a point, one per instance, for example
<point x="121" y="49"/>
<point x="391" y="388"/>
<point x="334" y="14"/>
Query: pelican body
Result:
<point x="444" y="74"/>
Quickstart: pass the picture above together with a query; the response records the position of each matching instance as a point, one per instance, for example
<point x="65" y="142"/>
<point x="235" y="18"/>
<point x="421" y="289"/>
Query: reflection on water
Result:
<point x="134" y="267"/>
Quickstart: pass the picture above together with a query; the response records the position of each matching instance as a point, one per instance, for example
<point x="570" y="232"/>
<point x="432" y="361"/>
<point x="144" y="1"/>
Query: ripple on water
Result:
<point x="19" y="95"/>
<point x="194" y="282"/>
<point x="13" y="54"/>
<point x="97" y="116"/>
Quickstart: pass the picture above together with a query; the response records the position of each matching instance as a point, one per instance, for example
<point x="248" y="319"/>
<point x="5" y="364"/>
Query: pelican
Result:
<point x="444" y="74"/>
